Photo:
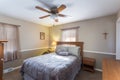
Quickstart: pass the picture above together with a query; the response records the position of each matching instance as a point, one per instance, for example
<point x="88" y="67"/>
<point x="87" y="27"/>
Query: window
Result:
<point x="11" y="48"/>
<point x="69" y="34"/>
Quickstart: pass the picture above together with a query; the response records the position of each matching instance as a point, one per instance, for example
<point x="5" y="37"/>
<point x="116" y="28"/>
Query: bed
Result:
<point x="53" y="66"/>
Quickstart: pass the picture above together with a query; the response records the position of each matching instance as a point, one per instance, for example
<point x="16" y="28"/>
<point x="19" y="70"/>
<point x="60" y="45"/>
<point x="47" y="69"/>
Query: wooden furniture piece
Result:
<point x="111" y="69"/>
<point x="80" y="44"/>
<point x="1" y="58"/>
<point x="88" y="64"/>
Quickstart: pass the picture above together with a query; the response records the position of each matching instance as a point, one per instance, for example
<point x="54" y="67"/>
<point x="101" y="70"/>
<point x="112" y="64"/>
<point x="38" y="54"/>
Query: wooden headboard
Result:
<point x="80" y="44"/>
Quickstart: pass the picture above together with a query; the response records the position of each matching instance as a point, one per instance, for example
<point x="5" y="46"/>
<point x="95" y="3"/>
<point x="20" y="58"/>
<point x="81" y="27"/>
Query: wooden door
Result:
<point x="1" y="61"/>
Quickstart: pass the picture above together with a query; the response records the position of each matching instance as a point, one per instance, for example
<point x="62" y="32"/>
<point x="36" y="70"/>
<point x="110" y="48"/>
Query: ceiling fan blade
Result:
<point x="62" y="7"/>
<point x="56" y="20"/>
<point x="62" y="15"/>
<point x="44" y="16"/>
<point x="40" y="8"/>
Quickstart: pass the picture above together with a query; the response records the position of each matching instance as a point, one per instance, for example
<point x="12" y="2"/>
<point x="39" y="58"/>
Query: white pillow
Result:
<point x="74" y="51"/>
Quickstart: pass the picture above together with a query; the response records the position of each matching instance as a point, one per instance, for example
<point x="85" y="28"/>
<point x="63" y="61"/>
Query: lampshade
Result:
<point x="54" y="43"/>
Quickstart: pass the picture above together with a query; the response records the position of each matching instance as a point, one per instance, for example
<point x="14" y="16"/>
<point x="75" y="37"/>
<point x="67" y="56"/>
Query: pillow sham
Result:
<point x="74" y="51"/>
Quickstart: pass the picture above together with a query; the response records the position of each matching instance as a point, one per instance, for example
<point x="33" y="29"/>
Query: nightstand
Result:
<point x="88" y="64"/>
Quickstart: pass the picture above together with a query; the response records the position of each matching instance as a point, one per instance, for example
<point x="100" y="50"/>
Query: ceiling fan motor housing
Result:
<point x="54" y="10"/>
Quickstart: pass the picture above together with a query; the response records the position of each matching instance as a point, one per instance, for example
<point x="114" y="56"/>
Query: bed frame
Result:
<point x="80" y="44"/>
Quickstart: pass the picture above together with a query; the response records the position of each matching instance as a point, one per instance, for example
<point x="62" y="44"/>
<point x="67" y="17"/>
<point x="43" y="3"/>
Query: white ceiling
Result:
<point x="76" y="9"/>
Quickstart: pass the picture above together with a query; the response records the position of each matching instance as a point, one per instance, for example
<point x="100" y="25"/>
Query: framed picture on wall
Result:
<point x="42" y="36"/>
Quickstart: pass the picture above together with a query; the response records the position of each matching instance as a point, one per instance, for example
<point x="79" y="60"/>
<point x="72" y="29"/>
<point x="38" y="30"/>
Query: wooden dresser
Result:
<point x="111" y="69"/>
<point x="1" y="58"/>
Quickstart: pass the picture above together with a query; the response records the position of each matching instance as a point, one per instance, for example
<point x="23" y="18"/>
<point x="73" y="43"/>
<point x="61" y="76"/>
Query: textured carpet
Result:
<point x="82" y="75"/>
<point x="85" y="75"/>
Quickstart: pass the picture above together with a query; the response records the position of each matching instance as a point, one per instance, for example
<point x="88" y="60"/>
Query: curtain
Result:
<point x="11" y="48"/>
<point x="69" y="35"/>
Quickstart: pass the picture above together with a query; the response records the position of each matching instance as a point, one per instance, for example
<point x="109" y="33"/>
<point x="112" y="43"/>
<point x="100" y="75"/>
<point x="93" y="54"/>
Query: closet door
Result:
<point x="1" y="61"/>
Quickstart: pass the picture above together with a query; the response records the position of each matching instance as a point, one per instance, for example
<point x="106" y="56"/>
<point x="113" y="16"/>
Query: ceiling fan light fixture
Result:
<point x="53" y="16"/>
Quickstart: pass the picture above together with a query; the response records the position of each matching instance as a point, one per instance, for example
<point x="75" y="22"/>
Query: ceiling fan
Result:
<point x="54" y="12"/>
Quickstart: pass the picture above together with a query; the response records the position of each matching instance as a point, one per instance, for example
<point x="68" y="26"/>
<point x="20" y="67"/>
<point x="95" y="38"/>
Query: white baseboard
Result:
<point x="33" y="49"/>
<point x="100" y="70"/>
<point x="11" y="69"/>
<point x="99" y="52"/>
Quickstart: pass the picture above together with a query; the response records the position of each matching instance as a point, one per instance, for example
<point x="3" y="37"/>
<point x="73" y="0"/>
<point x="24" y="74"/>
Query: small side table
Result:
<point x="88" y="64"/>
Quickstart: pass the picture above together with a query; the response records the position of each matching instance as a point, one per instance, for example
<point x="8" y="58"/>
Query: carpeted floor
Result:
<point x="83" y="75"/>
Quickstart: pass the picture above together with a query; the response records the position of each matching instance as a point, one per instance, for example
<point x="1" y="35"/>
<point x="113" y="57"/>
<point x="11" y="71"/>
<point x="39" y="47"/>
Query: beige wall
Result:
<point x="91" y="33"/>
<point x="118" y="16"/>
<point x="29" y="33"/>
